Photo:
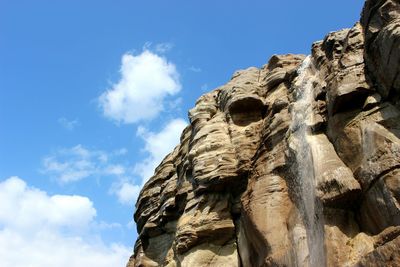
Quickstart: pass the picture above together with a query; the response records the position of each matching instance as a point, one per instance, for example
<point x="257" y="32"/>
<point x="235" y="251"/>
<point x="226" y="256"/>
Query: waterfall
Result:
<point x="309" y="206"/>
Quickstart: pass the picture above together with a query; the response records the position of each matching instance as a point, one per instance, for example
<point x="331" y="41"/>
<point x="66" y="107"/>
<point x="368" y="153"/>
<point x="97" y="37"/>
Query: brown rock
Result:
<point x="380" y="20"/>
<point x="296" y="163"/>
<point x="385" y="255"/>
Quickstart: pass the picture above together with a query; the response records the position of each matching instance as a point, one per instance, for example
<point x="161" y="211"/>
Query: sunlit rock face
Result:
<point x="293" y="164"/>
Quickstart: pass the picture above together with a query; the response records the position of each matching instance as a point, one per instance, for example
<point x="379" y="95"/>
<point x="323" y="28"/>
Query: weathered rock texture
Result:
<point x="228" y="195"/>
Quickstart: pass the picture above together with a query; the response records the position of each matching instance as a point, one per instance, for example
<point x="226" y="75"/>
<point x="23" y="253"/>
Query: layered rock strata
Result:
<point x="236" y="190"/>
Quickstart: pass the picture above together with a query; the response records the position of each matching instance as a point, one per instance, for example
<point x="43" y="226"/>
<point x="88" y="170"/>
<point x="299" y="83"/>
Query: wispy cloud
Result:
<point x="160" y="48"/>
<point x="163" y="47"/>
<point x="195" y="69"/>
<point x="204" y="88"/>
<point x="69" y="165"/>
<point x="146" y="80"/>
<point x="73" y="164"/>
<point x="51" y="230"/>
<point x="68" y="124"/>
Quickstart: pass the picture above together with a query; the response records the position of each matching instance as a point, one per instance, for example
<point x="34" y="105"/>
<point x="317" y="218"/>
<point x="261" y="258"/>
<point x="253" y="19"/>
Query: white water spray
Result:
<point x="310" y="208"/>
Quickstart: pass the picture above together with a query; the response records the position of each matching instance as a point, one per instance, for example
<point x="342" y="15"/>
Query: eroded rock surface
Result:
<point x="232" y="192"/>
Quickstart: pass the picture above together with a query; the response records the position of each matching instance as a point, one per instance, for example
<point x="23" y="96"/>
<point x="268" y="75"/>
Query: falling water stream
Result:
<point x="310" y="208"/>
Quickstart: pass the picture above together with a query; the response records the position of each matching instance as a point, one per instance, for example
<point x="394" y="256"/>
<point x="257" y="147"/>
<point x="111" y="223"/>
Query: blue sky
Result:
<point x="94" y="93"/>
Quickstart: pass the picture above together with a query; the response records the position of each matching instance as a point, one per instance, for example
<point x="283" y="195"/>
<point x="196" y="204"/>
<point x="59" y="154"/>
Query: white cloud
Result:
<point x="76" y="163"/>
<point x="158" y="145"/>
<point x="126" y="192"/>
<point x="68" y="124"/>
<point x="26" y="208"/>
<point x="39" y="230"/>
<point x="146" y="80"/>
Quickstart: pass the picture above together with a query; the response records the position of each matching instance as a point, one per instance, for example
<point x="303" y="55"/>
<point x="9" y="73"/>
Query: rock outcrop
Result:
<point x="293" y="164"/>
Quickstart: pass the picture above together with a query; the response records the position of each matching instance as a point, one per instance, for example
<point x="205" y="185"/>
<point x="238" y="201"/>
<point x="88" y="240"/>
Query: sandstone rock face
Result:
<point x="293" y="164"/>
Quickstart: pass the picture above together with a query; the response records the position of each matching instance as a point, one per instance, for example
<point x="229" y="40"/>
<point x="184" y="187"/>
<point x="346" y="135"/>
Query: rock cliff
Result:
<point x="296" y="163"/>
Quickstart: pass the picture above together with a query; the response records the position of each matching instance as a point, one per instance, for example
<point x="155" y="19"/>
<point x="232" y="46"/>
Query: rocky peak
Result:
<point x="296" y="163"/>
